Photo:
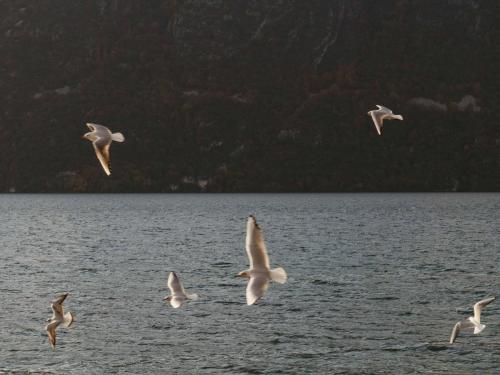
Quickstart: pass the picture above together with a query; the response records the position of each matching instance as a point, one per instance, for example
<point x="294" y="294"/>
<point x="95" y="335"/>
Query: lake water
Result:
<point x="376" y="283"/>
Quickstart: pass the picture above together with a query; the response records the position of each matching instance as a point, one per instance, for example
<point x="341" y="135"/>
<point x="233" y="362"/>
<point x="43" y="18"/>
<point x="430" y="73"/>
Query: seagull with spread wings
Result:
<point x="472" y="322"/>
<point x="179" y="295"/>
<point x="101" y="138"/>
<point x="58" y="317"/>
<point x="259" y="273"/>
<point x="381" y="114"/>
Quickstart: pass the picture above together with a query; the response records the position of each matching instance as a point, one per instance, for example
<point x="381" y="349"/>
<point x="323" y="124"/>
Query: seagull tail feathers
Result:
<point x="479" y="328"/>
<point x="193" y="296"/>
<point x="117" y="137"/>
<point x="278" y="275"/>
<point x="398" y="117"/>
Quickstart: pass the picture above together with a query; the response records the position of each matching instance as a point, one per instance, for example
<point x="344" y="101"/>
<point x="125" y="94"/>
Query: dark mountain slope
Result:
<point x="250" y="95"/>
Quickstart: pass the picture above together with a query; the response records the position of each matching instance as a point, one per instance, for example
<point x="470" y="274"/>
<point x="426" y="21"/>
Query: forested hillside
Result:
<point x="249" y="95"/>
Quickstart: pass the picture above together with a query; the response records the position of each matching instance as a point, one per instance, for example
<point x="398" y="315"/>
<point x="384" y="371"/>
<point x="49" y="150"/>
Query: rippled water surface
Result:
<point x="376" y="283"/>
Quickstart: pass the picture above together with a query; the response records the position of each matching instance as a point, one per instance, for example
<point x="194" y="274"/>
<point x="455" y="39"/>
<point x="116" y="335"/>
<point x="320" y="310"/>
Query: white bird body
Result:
<point x="58" y="317"/>
<point x="381" y="114"/>
<point x="101" y="138"/>
<point x="472" y="322"/>
<point x="259" y="273"/>
<point x="179" y="295"/>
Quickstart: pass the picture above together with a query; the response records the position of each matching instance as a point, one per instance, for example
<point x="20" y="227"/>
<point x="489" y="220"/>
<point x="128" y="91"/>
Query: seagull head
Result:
<point x="243" y="274"/>
<point x="167" y="298"/>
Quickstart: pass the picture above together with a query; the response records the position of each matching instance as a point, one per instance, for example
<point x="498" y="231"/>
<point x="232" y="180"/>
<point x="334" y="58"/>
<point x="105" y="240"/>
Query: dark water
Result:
<point x="376" y="283"/>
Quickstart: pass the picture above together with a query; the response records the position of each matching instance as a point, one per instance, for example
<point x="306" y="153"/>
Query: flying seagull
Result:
<point x="381" y="114"/>
<point x="58" y="317"/>
<point x="472" y="322"/>
<point x="259" y="272"/>
<point x="179" y="295"/>
<point x="101" y="138"/>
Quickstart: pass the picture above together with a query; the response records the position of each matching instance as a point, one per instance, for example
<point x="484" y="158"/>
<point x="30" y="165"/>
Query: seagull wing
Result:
<point x="51" y="332"/>
<point x="464" y="324"/>
<point x="455" y="332"/>
<point x="101" y="148"/>
<point x="256" y="288"/>
<point x="100" y="130"/>
<point x="384" y="109"/>
<point x="58" y="310"/>
<point x="478" y="307"/>
<point x="256" y="249"/>
<point x="377" y="118"/>
<point x="60" y="299"/>
<point x="174" y="284"/>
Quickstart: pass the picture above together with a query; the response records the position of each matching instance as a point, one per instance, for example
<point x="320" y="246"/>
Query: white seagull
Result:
<point x="58" y="317"/>
<point x="179" y="295"/>
<point x="381" y="114"/>
<point x="259" y="272"/>
<point x="101" y="138"/>
<point x="472" y="321"/>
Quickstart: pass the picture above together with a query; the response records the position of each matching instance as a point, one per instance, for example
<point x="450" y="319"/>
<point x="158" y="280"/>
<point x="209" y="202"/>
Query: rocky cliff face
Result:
<point x="250" y="95"/>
